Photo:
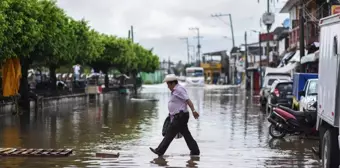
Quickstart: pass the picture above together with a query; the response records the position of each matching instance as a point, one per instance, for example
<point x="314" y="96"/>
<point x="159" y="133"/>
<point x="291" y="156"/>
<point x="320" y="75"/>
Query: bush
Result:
<point x="148" y="82"/>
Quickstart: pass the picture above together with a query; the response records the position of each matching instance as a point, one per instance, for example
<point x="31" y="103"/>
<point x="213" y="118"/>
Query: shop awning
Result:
<point x="310" y="57"/>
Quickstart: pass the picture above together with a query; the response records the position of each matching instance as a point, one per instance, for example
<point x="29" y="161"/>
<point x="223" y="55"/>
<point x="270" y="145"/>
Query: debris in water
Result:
<point x="107" y="155"/>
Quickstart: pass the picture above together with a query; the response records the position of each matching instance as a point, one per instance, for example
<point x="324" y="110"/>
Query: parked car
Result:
<point x="308" y="95"/>
<point x="269" y="79"/>
<point x="281" y="93"/>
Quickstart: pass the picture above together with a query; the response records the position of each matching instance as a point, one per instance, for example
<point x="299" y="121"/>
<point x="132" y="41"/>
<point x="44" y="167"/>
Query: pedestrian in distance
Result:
<point x="179" y="117"/>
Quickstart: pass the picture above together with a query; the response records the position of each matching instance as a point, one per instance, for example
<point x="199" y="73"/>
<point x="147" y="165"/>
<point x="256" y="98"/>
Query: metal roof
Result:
<point x="289" y="4"/>
<point x="216" y="53"/>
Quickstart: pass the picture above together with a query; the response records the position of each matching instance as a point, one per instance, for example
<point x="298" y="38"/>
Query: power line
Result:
<point x="231" y="24"/>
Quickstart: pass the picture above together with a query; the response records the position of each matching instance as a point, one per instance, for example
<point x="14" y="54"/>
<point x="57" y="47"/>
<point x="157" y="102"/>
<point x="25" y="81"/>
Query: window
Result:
<point x="288" y="87"/>
<point x="195" y="73"/>
<point x="312" y="88"/>
<point x="271" y="81"/>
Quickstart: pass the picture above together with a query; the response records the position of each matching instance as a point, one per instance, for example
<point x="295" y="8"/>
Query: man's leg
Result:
<point x="184" y="130"/>
<point x="169" y="136"/>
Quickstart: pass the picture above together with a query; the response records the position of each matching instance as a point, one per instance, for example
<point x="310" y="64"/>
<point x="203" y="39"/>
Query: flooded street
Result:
<point x="231" y="132"/>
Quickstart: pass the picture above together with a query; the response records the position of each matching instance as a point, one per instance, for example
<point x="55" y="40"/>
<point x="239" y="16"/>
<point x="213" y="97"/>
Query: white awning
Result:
<point x="296" y="57"/>
<point x="285" y="69"/>
<point x="310" y="57"/>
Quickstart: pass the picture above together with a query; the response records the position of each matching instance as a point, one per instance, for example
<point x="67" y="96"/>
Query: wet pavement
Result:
<point x="231" y="132"/>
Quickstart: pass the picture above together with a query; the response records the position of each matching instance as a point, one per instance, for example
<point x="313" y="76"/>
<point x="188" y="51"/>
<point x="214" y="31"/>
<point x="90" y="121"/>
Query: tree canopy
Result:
<point x="42" y="32"/>
<point x="38" y="32"/>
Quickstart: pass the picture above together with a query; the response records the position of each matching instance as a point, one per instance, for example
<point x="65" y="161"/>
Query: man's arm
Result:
<point x="189" y="103"/>
<point x="194" y="112"/>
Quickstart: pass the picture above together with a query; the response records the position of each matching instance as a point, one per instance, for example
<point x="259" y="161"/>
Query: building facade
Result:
<point x="314" y="10"/>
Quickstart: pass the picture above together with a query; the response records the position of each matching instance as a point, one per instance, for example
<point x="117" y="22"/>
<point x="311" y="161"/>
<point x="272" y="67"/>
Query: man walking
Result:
<point x="179" y="117"/>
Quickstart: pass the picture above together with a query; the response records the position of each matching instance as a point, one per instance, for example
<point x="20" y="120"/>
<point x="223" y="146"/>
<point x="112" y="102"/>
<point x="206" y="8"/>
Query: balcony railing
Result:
<point x="311" y="34"/>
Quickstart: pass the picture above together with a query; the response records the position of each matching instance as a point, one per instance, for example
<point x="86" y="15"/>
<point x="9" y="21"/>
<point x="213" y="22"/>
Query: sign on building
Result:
<point x="335" y="9"/>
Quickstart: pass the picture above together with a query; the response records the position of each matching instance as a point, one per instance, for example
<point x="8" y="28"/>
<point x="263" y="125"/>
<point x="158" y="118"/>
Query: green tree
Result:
<point x="22" y="32"/>
<point x="21" y="27"/>
<point x="86" y="43"/>
<point x="55" y="46"/>
<point x="117" y="54"/>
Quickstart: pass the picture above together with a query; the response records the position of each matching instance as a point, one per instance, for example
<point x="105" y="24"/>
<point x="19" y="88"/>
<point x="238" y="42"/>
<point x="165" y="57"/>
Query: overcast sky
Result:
<point x="160" y="23"/>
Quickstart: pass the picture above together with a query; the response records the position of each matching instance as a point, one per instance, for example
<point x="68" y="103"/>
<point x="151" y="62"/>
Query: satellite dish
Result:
<point x="286" y="23"/>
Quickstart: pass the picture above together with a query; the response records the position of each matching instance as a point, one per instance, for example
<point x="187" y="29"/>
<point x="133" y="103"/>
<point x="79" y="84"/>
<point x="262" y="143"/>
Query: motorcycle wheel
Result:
<point x="276" y="134"/>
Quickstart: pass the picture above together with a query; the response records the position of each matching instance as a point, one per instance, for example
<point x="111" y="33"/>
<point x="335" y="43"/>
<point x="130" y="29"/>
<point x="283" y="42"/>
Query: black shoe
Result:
<point x="155" y="152"/>
<point x="194" y="153"/>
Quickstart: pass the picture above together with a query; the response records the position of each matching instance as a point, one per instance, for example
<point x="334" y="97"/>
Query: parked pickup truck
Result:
<point x="308" y="95"/>
<point x="329" y="91"/>
<point x="267" y="85"/>
<point x="300" y="82"/>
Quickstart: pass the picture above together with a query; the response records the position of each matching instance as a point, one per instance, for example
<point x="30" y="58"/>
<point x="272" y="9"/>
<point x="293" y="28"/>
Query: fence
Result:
<point x="153" y="78"/>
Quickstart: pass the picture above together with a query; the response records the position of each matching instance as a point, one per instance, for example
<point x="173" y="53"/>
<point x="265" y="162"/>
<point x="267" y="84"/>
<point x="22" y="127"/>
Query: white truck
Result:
<point x="329" y="91"/>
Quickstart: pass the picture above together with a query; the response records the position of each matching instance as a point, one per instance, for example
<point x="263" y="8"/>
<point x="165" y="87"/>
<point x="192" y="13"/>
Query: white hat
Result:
<point x="170" y="77"/>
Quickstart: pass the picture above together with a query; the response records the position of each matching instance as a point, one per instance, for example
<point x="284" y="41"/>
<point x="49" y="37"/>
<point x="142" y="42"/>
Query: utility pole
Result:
<point x="268" y="30"/>
<point x="302" y="34"/>
<point x="198" y="44"/>
<point x="132" y="37"/>
<point x="230" y="23"/>
<point x="187" y="41"/>
<point x="169" y="66"/>
<point x="268" y="19"/>
<point x="260" y="53"/>
<point x="193" y="53"/>
<point x="260" y="63"/>
<point x="246" y="60"/>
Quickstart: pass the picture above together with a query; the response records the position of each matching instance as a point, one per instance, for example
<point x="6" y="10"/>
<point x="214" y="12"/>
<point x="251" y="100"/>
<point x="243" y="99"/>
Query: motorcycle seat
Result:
<point x="295" y="113"/>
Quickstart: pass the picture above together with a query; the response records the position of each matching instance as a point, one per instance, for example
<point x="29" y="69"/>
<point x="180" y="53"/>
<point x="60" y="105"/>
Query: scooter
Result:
<point x="287" y="121"/>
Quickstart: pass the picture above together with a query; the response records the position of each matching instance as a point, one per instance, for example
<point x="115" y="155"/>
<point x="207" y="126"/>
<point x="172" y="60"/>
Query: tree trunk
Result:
<point x="53" y="78"/>
<point x="105" y="71"/>
<point x="134" y="76"/>
<point x="24" y="88"/>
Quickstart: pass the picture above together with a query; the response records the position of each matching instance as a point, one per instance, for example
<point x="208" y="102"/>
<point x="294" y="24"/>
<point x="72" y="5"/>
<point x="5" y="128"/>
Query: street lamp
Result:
<point x="198" y="43"/>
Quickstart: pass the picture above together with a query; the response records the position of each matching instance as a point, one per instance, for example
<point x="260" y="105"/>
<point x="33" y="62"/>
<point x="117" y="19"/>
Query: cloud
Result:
<point x="160" y="23"/>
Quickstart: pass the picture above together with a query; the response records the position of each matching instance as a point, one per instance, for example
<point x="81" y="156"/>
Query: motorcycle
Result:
<point x="287" y="121"/>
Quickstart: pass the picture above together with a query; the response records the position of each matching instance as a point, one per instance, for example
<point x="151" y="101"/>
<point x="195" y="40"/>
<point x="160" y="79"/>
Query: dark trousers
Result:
<point x="179" y="125"/>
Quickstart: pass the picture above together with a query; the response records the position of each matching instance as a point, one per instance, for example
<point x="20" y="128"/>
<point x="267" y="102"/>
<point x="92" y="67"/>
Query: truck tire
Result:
<point x="330" y="149"/>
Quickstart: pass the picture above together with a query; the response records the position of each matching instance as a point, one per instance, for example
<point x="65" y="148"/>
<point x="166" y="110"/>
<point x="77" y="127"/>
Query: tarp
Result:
<point x="296" y="57"/>
<point x="310" y="57"/>
<point x="286" y="57"/>
<point x="11" y="75"/>
<point x="285" y="69"/>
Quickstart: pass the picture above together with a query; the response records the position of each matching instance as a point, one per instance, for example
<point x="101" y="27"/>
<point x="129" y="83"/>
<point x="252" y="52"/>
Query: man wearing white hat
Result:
<point x="179" y="117"/>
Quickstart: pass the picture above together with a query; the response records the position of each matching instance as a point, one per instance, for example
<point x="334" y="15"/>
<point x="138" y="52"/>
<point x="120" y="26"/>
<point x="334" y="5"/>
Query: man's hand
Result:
<point x="195" y="114"/>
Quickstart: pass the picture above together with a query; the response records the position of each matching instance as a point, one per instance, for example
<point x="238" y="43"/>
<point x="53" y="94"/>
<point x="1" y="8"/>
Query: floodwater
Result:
<point x="231" y="132"/>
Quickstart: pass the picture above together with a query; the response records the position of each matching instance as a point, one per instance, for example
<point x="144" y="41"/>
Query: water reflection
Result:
<point x="231" y="132"/>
